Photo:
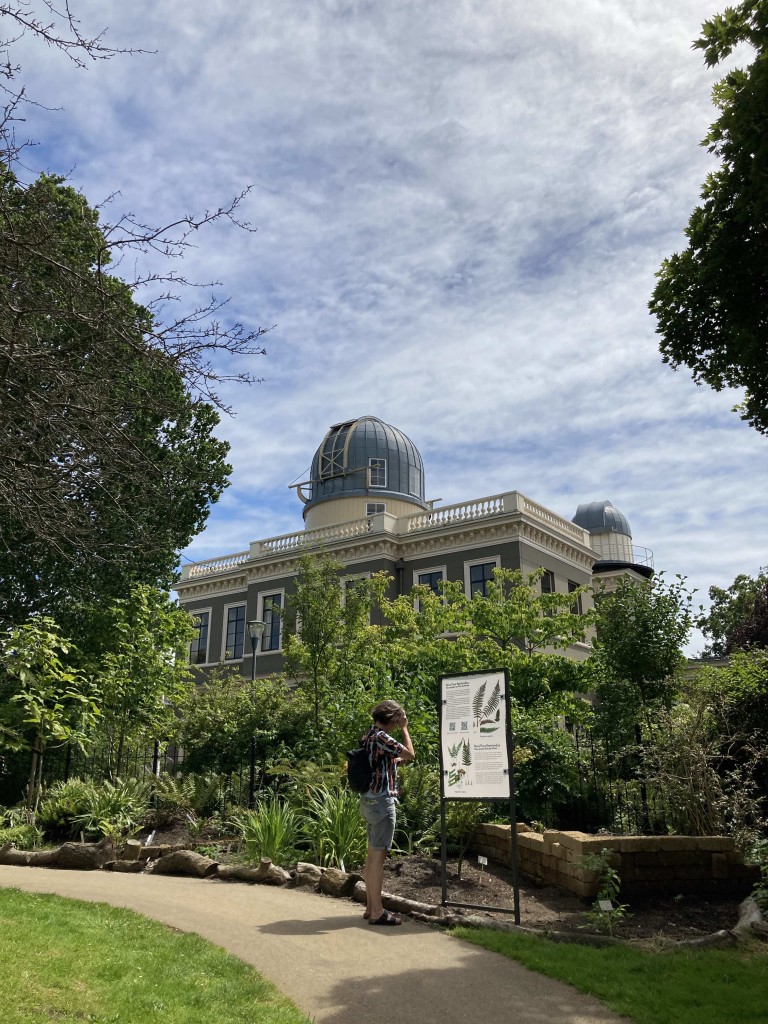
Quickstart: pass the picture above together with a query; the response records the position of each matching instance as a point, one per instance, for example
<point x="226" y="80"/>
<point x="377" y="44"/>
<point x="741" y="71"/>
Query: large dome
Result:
<point x="366" y="458"/>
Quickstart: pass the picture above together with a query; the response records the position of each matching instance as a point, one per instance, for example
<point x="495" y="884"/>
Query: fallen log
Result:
<point x="185" y="862"/>
<point x="266" y="873"/>
<point x="125" y="866"/>
<point x="334" y="882"/>
<point x="85" y="856"/>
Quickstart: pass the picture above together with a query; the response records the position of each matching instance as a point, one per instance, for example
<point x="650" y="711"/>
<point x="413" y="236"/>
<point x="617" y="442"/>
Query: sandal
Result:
<point x="387" y="918"/>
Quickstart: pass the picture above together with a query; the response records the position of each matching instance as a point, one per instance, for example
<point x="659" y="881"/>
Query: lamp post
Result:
<point x="255" y="631"/>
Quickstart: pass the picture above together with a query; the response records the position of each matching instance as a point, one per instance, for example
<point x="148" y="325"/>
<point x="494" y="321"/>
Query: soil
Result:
<point x="549" y="908"/>
<point x="419" y="877"/>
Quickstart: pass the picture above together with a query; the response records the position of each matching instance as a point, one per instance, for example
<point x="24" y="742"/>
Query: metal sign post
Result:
<point x="476" y="757"/>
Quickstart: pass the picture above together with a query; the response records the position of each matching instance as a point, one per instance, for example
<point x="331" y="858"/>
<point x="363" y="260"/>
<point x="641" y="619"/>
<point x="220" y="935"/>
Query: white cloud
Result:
<point x="460" y="211"/>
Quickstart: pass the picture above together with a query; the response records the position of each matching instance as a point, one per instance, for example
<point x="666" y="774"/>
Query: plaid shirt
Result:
<point x="382" y="751"/>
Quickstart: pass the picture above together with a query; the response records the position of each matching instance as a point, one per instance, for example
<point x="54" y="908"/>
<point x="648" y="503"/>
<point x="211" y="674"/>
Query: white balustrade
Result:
<point x="216" y="565"/>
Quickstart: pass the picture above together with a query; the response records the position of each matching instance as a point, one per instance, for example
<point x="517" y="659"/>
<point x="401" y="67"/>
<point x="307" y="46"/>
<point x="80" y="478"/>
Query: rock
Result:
<point x="85" y="856"/>
<point x="334" y="882"/>
<point x="185" y="862"/>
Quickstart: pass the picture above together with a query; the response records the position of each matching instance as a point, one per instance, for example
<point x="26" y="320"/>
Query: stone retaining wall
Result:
<point x="648" y="865"/>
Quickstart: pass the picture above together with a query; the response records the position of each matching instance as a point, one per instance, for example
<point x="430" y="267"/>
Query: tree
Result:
<point x="108" y="466"/>
<point x="711" y="301"/>
<point x="43" y="702"/>
<point x="738" y="616"/>
<point x="640" y="631"/>
<point x="108" y="459"/>
<point x="224" y="716"/>
<point x="329" y="650"/>
<point x="142" y="670"/>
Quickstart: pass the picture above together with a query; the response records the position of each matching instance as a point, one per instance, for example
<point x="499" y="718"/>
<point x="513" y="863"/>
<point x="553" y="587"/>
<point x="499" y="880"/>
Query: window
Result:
<point x="377" y="472"/>
<point x="576" y="607"/>
<point x="374" y="507"/>
<point x="198" y="649"/>
<point x="234" y="632"/>
<point x="431" y="578"/>
<point x="477" y="575"/>
<point x="414" y="480"/>
<point x="548" y="582"/>
<point x="272" y="615"/>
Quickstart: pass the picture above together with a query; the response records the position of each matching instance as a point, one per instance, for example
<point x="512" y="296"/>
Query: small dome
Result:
<point x="601" y="517"/>
<point x="366" y="457"/>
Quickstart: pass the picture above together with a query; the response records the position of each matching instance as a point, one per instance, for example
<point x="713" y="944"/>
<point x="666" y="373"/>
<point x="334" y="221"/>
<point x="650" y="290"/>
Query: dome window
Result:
<point x="377" y="472"/>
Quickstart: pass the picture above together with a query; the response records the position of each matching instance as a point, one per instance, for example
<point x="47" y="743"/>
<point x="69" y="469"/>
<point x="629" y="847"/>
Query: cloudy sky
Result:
<point x="461" y="206"/>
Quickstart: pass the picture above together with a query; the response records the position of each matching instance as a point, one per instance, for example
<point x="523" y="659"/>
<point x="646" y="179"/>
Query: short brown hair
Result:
<point x="387" y="711"/>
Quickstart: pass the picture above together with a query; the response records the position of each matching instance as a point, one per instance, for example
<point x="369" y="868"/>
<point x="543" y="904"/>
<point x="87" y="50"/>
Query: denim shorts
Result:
<point x="379" y="815"/>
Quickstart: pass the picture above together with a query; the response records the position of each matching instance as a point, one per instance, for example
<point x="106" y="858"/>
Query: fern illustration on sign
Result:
<point x="490" y="715"/>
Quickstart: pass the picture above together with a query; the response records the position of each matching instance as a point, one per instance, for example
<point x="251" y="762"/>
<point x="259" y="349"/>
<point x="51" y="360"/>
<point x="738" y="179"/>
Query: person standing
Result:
<point x="377" y="806"/>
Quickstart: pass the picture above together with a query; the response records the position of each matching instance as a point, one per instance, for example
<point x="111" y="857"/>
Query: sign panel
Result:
<point x="473" y="736"/>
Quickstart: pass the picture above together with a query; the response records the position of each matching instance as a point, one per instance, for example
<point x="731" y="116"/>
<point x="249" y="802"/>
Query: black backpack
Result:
<point x="359" y="770"/>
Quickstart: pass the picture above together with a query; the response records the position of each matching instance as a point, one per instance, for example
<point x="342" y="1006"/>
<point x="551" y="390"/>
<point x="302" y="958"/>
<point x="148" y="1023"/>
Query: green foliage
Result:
<point x="42" y="701"/>
<point x="738" y="616"/>
<point x="221" y="718"/>
<point x="640" y="631"/>
<point x="419" y="806"/>
<point x="115" y="464"/>
<point x="142" y="669"/>
<point x="198" y="795"/>
<point x="271" y="829"/>
<point x="709" y="299"/>
<point x="98" y="809"/>
<point x="759" y="855"/>
<point x="23" y="837"/>
<point x="61" y="804"/>
<point x="609" y="882"/>
<point x="334" y="827"/>
<point x="329" y="656"/>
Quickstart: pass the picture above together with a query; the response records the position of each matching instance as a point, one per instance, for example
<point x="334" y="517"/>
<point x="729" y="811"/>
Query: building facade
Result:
<point x="365" y="506"/>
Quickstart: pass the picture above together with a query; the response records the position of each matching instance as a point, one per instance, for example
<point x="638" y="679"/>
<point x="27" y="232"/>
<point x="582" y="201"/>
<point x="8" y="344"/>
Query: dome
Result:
<point x="601" y="517"/>
<point x="366" y="457"/>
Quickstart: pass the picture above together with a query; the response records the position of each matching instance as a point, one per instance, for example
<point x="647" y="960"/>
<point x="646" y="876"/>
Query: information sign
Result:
<point x="474" y="736"/>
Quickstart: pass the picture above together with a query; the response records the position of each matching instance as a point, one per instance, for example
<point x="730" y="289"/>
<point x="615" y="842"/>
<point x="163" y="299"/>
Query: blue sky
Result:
<point x="460" y="207"/>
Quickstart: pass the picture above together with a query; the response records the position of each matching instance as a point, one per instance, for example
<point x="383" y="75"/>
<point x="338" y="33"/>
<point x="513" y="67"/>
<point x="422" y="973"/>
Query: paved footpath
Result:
<point x="322" y="954"/>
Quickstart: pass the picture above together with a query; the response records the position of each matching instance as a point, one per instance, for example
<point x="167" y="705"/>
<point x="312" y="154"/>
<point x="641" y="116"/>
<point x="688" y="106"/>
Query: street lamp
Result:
<point x="255" y="631"/>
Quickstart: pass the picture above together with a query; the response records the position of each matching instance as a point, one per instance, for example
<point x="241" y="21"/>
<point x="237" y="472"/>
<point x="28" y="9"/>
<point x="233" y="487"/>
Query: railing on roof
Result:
<point x="446" y="515"/>
<point x="215" y="565"/>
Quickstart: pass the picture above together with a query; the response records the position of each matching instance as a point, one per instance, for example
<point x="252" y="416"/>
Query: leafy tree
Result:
<point x="328" y="650"/>
<point x="711" y="300"/>
<point x="527" y="631"/>
<point x="142" y="670"/>
<point x="107" y="465"/>
<point x="640" y="631"/>
<point x="223" y="716"/>
<point x="43" y="703"/>
<point x="738" y="616"/>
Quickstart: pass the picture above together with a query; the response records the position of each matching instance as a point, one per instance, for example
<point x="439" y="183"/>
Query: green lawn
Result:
<point x="62" y="960"/>
<point x="675" y="987"/>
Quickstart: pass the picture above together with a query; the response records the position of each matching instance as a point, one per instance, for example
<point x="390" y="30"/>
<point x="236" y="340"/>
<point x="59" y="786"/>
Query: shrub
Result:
<point x="419" y="807"/>
<point x="116" y="809"/>
<point x="334" y="827"/>
<point x="23" y="837"/>
<point x="61" y="805"/>
<point x="271" y="829"/>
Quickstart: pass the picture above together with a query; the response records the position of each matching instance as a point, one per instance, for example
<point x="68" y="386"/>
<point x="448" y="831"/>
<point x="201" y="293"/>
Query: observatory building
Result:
<point x="364" y="505"/>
